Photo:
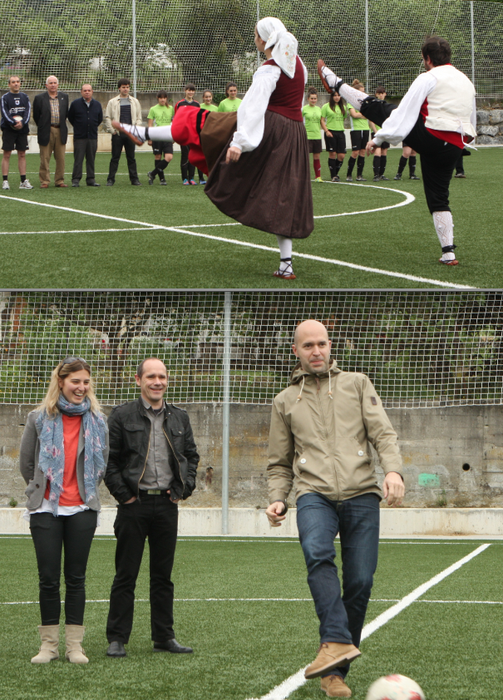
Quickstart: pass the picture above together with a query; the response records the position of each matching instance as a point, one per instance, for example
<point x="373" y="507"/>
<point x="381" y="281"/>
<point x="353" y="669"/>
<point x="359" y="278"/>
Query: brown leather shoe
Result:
<point x="43" y="186"/>
<point x="62" y="185"/>
<point x="331" y="655"/>
<point x="335" y="687"/>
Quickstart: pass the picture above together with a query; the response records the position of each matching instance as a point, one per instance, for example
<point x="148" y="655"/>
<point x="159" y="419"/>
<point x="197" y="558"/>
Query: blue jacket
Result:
<point x="85" y="120"/>
<point x="12" y="105"/>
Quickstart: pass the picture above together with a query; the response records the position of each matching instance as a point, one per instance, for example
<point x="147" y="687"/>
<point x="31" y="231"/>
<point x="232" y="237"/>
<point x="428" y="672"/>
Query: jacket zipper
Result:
<point x="146" y="458"/>
<point x="174" y="455"/>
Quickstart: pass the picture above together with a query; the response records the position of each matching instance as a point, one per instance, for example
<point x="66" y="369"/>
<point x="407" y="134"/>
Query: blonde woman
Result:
<point x="63" y="456"/>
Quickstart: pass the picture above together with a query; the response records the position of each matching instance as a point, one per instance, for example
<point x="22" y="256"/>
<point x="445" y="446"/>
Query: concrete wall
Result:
<point x="452" y="456"/>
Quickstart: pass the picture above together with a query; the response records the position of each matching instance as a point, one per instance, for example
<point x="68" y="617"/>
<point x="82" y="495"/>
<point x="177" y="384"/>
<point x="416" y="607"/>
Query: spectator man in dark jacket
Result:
<point x="50" y="110"/>
<point x="85" y="115"/>
<point x="151" y="467"/>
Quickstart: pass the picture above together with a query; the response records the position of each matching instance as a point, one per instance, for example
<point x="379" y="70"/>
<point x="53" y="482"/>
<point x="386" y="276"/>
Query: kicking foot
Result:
<point x="328" y="77"/>
<point x="134" y="134"/>
<point x="331" y="655"/>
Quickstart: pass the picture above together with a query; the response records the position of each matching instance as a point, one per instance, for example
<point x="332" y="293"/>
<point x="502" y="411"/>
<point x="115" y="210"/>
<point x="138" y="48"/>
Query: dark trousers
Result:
<point x="155" y="518"/>
<point x="74" y="533"/>
<point x="319" y="520"/>
<point x="188" y="169"/>
<point x="84" y="148"/>
<point x="438" y="158"/>
<point x="120" y="141"/>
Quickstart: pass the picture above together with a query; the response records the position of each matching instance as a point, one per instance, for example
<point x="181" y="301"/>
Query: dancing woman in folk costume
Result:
<point x="63" y="455"/>
<point x="258" y="166"/>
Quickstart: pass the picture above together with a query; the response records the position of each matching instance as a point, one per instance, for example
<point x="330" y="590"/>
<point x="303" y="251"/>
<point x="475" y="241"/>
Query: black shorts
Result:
<point x="314" y="145"/>
<point x="14" y="141"/>
<point x="384" y="145"/>
<point x="160" y="147"/>
<point x="336" y="143"/>
<point x="359" y="139"/>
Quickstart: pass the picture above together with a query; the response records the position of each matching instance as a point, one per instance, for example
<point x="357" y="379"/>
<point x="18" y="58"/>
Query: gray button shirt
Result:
<point x="158" y="472"/>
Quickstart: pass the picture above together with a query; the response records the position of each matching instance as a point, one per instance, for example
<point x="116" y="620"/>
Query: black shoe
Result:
<point x="110" y="183"/>
<point x="360" y="178"/>
<point x="414" y="177"/>
<point x="376" y="178"/>
<point x="151" y="177"/>
<point x="93" y="184"/>
<point x="172" y="646"/>
<point x="384" y="178"/>
<point x="75" y="184"/>
<point x="163" y="181"/>
<point x="136" y="183"/>
<point x="116" y="649"/>
<point x="398" y="176"/>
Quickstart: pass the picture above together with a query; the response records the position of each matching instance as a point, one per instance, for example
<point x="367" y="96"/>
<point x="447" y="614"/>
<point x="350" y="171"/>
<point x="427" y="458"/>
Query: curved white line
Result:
<point x="409" y="198"/>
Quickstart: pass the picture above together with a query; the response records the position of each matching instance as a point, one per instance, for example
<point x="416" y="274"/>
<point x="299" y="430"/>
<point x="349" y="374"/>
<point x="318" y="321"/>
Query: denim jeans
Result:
<point x="357" y="521"/>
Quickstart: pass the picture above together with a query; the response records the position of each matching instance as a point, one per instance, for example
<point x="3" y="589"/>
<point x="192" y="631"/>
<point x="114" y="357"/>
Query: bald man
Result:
<point x="85" y="115"/>
<point x="50" y="110"/>
<point x="321" y="427"/>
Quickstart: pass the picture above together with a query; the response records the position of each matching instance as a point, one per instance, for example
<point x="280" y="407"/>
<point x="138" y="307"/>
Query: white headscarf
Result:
<point x="284" y="51"/>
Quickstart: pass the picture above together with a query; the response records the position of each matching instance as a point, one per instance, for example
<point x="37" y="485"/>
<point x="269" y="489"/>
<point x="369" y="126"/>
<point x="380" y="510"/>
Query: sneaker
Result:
<point x="360" y="178"/>
<point x="110" y="183"/>
<point x="349" y="178"/>
<point x="414" y="177"/>
<point x="185" y="182"/>
<point x="134" y="134"/>
<point x="376" y="178"/>
<point x="192" y="182"/>
<point x="5" y="185"/>
<point x="202" y="182"/>
<point x="460" y="175"/>
<point x="318" y="179"/>
<point x="336" y="178"/>
<point x="331" y="655"/>
<point x="151" y="177"/>
<point x="335" y="687"/>
<point x="398" y="176"/>
<point x="384" y="178"/>
<point x="26" y="185"/>
<point x="449" y="262"/>
<point x="327" y="77"/>
<point x="163" y="181"/>
<point x="136" y="183"/>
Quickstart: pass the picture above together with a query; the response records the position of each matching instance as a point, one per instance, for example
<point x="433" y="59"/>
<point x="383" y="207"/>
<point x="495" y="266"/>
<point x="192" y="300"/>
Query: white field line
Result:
<point x="283" y="690"/>
<point x="83" y="230"/>
<point x="220" y="239"/>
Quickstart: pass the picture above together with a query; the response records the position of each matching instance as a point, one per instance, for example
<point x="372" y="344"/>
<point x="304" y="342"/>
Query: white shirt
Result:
<point x="251" y="111"/>
<point x="402" y="120"/>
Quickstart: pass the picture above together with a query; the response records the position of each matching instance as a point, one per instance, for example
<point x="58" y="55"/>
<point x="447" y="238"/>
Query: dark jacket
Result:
<point x="15" y="104"/>
<point x="129" y="428"/>
<point x="85" y="120"/>
<point x="42" y="117"/>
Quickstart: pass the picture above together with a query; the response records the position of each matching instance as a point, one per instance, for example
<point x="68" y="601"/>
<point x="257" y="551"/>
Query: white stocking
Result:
<point x="351" y="95"/>
<point x="136" y="130"/>
<point x="160" y="133"/>
<point x="445" y="231"/>
<point x="285" y="251"/>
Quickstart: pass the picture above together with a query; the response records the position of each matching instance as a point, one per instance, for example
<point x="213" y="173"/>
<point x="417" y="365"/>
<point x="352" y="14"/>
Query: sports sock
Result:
<point x="412" y="165"/>
<point x="351" y="165"/>
<point x="401" y="165"/>
<point x="338" y="166"/>
<point x="332" y="167"/>
<point x="444" y="227"/>
<point x="285" y="247"/>
<point x="376" y="164"/>
<point x="360" y="166"/>
<point x="158" y="133"/>
<point x="23" y="178"/>
<point x="317" y="168"/>
<point x="383" y="165"/>
<point x="161" y="167"/>
<point x="5" y="178"/>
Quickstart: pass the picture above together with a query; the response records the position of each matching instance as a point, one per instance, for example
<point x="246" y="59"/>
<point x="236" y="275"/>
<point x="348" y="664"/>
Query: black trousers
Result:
<point x="120" y="141"/>
<point x="84" y="148"/>
<point x="50" y="535"/>
<point x="438" y="158"/>
<point x="187" y="168"/>
<point x="155" y="518"/>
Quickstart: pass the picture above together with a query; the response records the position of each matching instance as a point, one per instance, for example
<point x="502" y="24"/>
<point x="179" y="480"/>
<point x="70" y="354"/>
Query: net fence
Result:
<point x="420" y="348"/>
<point x="165" y="43"/>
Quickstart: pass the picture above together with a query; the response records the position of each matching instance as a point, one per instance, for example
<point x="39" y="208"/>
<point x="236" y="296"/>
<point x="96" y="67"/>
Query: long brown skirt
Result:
<point x="269" y="188"/>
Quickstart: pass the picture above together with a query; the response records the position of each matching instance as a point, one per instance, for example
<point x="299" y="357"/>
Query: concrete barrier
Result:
<point x="252" y="522"/>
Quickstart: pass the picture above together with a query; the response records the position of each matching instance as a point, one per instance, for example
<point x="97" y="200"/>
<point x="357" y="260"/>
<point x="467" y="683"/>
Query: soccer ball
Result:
<point x="395" y="687"/>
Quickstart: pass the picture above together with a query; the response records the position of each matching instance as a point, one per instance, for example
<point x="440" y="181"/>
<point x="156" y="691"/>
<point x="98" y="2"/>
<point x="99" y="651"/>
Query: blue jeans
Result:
<point x="357" y="520"/>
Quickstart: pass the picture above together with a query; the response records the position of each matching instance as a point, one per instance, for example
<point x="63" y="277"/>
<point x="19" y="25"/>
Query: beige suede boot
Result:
<point x="331" y="655"/>
<point x="74" y="635"/>
<point x="49" y="636"/>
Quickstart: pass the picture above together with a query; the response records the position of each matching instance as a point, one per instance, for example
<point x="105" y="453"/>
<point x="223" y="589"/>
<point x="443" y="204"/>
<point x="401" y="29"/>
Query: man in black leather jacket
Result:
<point x="152" y="466"/>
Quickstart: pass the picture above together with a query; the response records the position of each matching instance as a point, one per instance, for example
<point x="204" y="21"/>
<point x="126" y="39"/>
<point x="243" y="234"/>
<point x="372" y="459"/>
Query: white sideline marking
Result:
<point x="83" y="230"/>
<point x="220" y="239"/>
<point x="283" y="690"/>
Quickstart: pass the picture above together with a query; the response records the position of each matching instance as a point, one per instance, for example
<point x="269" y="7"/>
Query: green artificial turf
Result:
<point x="244" y="646"/>
<point x="400" y="240"/>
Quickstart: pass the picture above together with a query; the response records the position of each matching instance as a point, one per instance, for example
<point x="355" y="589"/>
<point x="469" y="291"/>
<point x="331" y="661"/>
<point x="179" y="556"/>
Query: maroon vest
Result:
<point x="289" y="93"/>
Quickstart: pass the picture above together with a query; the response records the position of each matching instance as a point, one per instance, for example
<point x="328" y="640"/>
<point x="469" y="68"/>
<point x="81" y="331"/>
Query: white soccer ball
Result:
<point x="395" y="687"/>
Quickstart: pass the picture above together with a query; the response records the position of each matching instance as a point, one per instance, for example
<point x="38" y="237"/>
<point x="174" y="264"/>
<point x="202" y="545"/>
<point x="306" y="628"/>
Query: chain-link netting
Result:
<point x="165" y="43"/>
<point x="420" y="348"/>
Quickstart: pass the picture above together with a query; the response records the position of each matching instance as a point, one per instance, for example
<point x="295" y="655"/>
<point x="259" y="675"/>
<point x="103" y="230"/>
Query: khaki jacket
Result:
<point x="113" y="112"/>
<point x="321" y="444"/>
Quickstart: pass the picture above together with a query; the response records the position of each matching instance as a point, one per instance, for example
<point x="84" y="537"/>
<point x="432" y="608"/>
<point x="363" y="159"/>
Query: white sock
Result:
<point x="444" y="227"/>
<point x="285" y="250"/>
<point x="159" y="133"/>
<point x="354" y="97"/>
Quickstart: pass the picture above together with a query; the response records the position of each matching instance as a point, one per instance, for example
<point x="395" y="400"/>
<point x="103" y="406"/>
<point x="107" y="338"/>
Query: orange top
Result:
<point x="71" y="431"/>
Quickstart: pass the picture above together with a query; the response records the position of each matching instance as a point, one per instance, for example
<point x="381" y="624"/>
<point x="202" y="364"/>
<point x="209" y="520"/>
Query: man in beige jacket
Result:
<point x="321" y="427"/>
<point x="126" y="109"/>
